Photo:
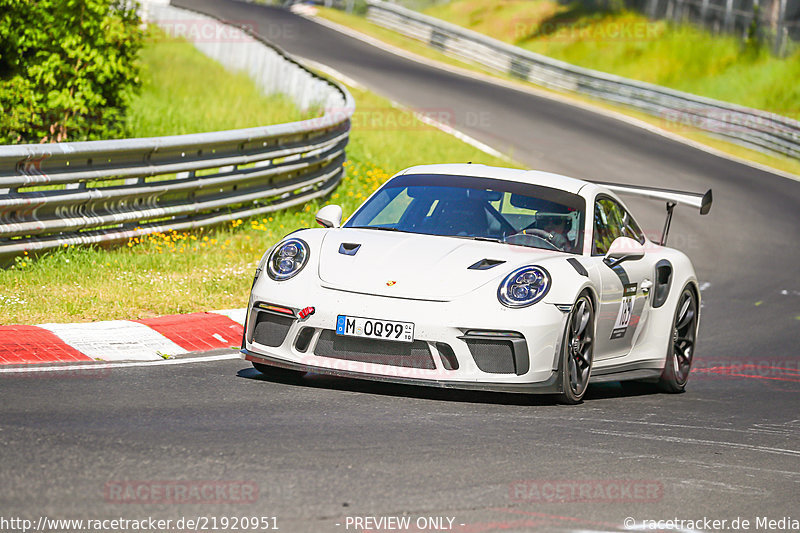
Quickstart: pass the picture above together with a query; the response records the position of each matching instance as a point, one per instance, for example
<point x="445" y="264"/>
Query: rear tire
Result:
<point x="680" y="353"/>
<point x="577" y="351"/>
<point x="278" y="372"/>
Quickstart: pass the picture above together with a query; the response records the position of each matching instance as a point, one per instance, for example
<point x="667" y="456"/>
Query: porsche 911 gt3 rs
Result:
<point x="476" y="277"/>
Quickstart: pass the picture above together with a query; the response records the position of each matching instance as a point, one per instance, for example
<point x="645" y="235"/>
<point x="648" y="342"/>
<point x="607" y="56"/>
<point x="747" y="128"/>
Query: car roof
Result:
<point x="534" y="177"/>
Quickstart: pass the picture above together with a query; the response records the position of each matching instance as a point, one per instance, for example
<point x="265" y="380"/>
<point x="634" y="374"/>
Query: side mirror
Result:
<point x="623" y="249"/>
<point x="330" y="216"/>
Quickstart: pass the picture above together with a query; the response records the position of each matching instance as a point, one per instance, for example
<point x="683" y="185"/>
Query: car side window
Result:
<point x="611" y="220"/>
<point x="607" y="226"/>
<point x="630" y="228"/>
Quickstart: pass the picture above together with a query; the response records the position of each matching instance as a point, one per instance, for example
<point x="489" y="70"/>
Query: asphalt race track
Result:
<point x="324" y="449"/>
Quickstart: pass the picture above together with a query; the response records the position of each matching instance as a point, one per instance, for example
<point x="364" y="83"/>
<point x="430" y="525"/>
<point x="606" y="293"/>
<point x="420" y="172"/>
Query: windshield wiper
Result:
<point x="382" y="228"/>
<point x="474" y="238"/>
<point x="470" y="237"/>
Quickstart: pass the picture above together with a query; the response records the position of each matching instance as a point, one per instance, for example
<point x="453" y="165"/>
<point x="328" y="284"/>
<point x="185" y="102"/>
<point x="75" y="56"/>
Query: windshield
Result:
<point x="476" y="208"/>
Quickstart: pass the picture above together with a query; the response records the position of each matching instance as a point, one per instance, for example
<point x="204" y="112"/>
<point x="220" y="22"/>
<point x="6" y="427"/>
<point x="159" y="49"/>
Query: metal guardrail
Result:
<point x="759" y="130"/>
<point x="91" y="192"/>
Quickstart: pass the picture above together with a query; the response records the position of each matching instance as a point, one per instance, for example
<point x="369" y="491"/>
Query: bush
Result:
<point x="68" y="68"/>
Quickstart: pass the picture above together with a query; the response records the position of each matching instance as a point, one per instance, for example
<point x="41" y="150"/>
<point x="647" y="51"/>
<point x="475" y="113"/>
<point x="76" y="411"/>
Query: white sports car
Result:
<point x="475" y="277"/>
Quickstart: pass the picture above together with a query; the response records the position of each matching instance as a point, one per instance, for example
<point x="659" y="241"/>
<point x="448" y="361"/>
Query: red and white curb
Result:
<point x="150" y="339"/>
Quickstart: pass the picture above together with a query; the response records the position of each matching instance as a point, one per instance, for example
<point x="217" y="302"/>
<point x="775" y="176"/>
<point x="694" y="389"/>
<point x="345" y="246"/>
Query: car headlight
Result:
<point x="287" y="259"/>
<point x="523" y="287"/>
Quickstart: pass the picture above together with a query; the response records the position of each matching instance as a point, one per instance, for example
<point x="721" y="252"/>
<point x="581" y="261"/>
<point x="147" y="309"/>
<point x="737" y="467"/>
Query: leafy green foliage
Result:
<point x="68" y="68"/>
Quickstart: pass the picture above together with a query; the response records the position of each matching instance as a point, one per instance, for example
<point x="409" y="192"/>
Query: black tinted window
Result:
<point x="611" y="220"/>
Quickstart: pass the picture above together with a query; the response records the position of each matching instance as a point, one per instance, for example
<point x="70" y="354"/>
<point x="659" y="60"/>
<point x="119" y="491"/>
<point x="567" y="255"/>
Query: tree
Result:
<point x="68" y="68"/>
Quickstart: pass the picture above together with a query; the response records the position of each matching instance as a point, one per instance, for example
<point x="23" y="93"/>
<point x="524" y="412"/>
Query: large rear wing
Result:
<point x="701" y="201"/>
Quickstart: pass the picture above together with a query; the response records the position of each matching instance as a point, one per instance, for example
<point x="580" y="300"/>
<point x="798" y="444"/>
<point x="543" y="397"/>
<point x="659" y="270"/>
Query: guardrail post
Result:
<point x="780" y="30"/>
<point x="728" y="24"/>
<point x="653" y="9"/>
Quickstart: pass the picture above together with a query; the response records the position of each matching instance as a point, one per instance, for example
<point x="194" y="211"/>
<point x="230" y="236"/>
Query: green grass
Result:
<point x="628" y="44"/>
<point x="178" y="84"/>
<point x="211" y="269"/>
<point x="392" y="38"/>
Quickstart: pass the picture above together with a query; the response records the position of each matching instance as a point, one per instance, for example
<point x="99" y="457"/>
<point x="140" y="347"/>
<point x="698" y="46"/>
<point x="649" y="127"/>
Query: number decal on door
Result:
<point x="625" y="311"/>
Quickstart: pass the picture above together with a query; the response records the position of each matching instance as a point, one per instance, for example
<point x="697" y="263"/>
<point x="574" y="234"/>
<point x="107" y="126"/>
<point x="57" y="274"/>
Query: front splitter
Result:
<point x="549" y="386"/>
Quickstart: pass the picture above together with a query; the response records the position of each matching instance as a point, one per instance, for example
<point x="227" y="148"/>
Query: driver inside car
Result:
<point x="554" y="228"/>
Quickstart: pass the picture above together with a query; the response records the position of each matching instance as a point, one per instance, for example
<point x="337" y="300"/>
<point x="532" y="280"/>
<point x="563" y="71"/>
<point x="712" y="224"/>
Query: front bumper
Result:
<point x="549" y="386"/>
<point x="444" y="351"/>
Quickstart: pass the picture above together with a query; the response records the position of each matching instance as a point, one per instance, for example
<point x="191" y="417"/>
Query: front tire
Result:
<point x="577" y="351"/>
<point x="680" y="353"/>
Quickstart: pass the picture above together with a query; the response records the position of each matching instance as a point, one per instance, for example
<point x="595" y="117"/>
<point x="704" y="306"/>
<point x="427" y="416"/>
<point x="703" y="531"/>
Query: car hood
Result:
<point x="423" y="267"/>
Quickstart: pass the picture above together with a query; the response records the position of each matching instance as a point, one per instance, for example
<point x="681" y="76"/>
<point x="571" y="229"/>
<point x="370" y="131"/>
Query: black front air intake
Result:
<point x="498" y="352"/>
<point x="271" y="329"/>
<point x="495" y="356"/>
<point x="304" y="339"/>
<point x="448" y="356"/>
<point x="404" y="354"/>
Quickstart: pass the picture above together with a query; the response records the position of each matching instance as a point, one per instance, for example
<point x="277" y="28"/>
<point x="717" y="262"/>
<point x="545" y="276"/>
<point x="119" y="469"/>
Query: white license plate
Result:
<point x="373" y="328"/>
